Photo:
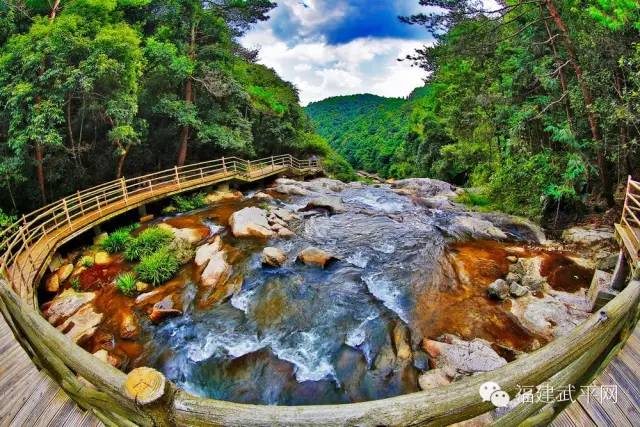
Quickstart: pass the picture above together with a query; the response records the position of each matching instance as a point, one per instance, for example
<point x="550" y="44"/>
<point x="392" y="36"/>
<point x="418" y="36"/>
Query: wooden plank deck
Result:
<point x="29" y="397"/>
<point x="624" y="374"/>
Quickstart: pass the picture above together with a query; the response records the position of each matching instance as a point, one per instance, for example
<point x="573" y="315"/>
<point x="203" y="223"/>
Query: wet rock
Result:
<point x="82" y="324"/>
<point x="216" y="271"/>
<point x="53" y="283"/>
<point x="250" y="222"/>
<point x="285" y="233"/>
<point x="284" y="214"/>
<point x="465" y="357"/>
<point x="273" y="257"/>
<point x="401" y="342"/>
<point x="102" y="258"/>
<point x="512" y="259"/>
<point x="65" y="305"/>
<point x="64" y="272"/>
<point x="331" y="204"/>
<point x="588" y="236"/>
<point x="290" y="187"/>
<point x="205" y="252"/>
<point x="129" y="327"/>
<point x="315" y="256"/>
<point x="433" y="378"/>
<point x="142" y="287"/>
<point x="426" y="187"/>
<point x="56" y="262"/>
<point x="475" y="228"/>
<point x="516" y="290"/>
<point x="262" y="196"/>
<point x="164" y="309"/>
<point x="528" y="269"/>
<point x="159" y="293"/>
<point x="513" y="278"/>
<point x="219" y="196"/>
<point x="498" y="290"/>
<point x="606" y="261"/>
<point x="191" y="235"/>
<point x="546" y="316"/>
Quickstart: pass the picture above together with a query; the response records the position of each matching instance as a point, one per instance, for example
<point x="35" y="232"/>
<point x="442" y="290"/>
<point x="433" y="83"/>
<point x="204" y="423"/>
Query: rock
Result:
<point x="129" y="327"/>
<point x="250" y="222"/>
<point x="285" y="233"/>
<point x="216" y="271"/>
<point x="262" y="196"/>
<point x="475" y="228"/>
<point x="401" y="342"/>
<point x="218" y="196"/>
<point x="498" y="290"/>
<point x="97" y="240"/>
<point x="205" y="252"/>
<point x="275" y="221"/>
<point x="273" y="257"/>
<point x="191" y="235"/>
<point x="182" y="249"/>
<point x="433" y="378"/>
<point x="588" y="236"/>
<point x="56" y="262"/>
<point x="513" y="278"/>
<point x="464" y="357"/>
<point x="82" y="324"/>
<point x="426" y="187"/>
<point x="142" y="287"/>
<point x="146" y="218"/>
<point x="53" y="283"/>
<point x="331" y="204"/>
<point x="606" y="261"/>
<point x="512" y="259"/>
<point x="64" y="272"/>
<point x="65" y="305"/>
<point x="159" y="293"/>
<point x="284" y="214"/>
<point x="516" y="290"/>
<point x="163" y="309"/>
<point x="102" y="258"/>
<point x="290" y="187"/>
<point x="546" y="316"/>
<point x="315" y="256"/>
<point x="528" y="269"/>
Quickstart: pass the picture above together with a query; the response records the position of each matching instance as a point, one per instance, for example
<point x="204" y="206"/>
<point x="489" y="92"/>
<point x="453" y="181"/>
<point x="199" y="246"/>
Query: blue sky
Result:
<point x="341" y="47"/>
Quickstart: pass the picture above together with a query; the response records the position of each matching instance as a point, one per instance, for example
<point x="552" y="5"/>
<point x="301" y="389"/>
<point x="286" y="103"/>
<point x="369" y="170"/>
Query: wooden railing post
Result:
<point x="123" y="184"/>
<point x="175" y="168"/>
<point x="273" y="163"/>
<point x="224" y="165"/>
<point x="66" y="211"/>
<point x="80" y="202"/>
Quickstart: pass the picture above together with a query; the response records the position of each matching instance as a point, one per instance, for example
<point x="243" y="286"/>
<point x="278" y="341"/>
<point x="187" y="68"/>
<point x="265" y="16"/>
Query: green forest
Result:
<point x="97" y="89"/>
<point x="534" y="103"/>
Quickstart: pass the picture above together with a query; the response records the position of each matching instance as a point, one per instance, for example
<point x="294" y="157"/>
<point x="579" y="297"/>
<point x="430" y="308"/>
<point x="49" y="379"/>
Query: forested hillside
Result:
<point x="536" y="102"/>
<point x="93" y="90"/>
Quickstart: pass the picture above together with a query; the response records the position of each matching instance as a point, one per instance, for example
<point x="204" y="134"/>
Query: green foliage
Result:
<point x="474" y="199"/>
<point x="183" y="250"/>
<point x="158" y="267"/>
<point x="87" y="262"/>
<point x="189" y="203"/>
<point x="147" y="242"/>
<point x="126" y="283"/>
<point x="117" y="241"/>
<point x="75" y="283"/>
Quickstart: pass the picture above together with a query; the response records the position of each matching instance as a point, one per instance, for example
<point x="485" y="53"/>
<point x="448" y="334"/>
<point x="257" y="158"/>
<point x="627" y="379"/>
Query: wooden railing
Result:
<point x="628" y="230"/>
<point x="100" y="388"/>
<point x="26" y="244"/>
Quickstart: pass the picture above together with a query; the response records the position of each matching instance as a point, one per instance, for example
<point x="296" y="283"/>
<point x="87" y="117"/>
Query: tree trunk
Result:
<point x="120" y="165"/>
<point x="188" y="99"/>
<point x="40" y="172"/>
<point x="54" y="10"/>
<point x="605" y="181"/>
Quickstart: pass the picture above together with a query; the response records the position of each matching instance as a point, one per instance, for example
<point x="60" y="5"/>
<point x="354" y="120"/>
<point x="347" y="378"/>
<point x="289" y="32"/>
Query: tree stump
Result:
<point x="144" y="385"/>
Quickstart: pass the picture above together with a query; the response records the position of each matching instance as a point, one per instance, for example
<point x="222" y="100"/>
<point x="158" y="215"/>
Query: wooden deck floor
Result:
<point x="624" y="373"/>
<point x="28" y="397"/>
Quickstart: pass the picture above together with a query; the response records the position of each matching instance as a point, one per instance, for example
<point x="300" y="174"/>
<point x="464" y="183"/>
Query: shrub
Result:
<point x="75" y="283"/>
<point x="117" y="241"/>
<point x="126" y="283"/>
<point x="183" y="250"/>
<point x="148" y="242"/>
<point x="158" y="267"/>
<point x="189" y="203"/>
<point x="87" y="262"/>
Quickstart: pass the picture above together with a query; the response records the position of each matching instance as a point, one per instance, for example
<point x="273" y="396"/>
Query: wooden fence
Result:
<point x="628" y="230"/>
<point x="100" y="388"/>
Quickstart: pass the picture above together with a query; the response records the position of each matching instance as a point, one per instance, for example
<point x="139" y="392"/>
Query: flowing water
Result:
<point x="305" y="335"/>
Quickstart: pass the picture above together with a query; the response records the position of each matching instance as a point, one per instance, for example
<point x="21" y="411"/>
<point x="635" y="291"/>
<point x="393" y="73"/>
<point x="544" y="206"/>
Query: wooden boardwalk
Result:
<point x="624" y="373"/>
<point x="28" y="397"/>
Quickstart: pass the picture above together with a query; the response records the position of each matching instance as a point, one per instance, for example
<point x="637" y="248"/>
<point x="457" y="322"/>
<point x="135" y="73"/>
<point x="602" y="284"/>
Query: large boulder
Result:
<point x="546" y="316"/>
<point x="588" y="236"/>
<point x="315" y="256"/>
<point x="466" y="226"/>
<point x="163" y="309"/>
<point x="332" y="204"/>
<point x="528" y="271"/>
<point x="191" y="235"/>
<point x="205" y="252"/>
<point x="426" y="187"/>
<point x="250" y="222"/>
<point x="219" y="196"/>
<point x="463" y="357"/>
<point x="216" y="271"/>
<point x="273" y="257"/>
<point x="65" y="305"/>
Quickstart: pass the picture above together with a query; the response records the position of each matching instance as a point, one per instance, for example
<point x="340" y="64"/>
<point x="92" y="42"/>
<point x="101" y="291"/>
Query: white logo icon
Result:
<point x="491" y="392"/>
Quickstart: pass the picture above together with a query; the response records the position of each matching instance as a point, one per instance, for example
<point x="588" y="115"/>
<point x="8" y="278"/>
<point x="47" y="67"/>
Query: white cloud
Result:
<point x="321" y="70"/>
